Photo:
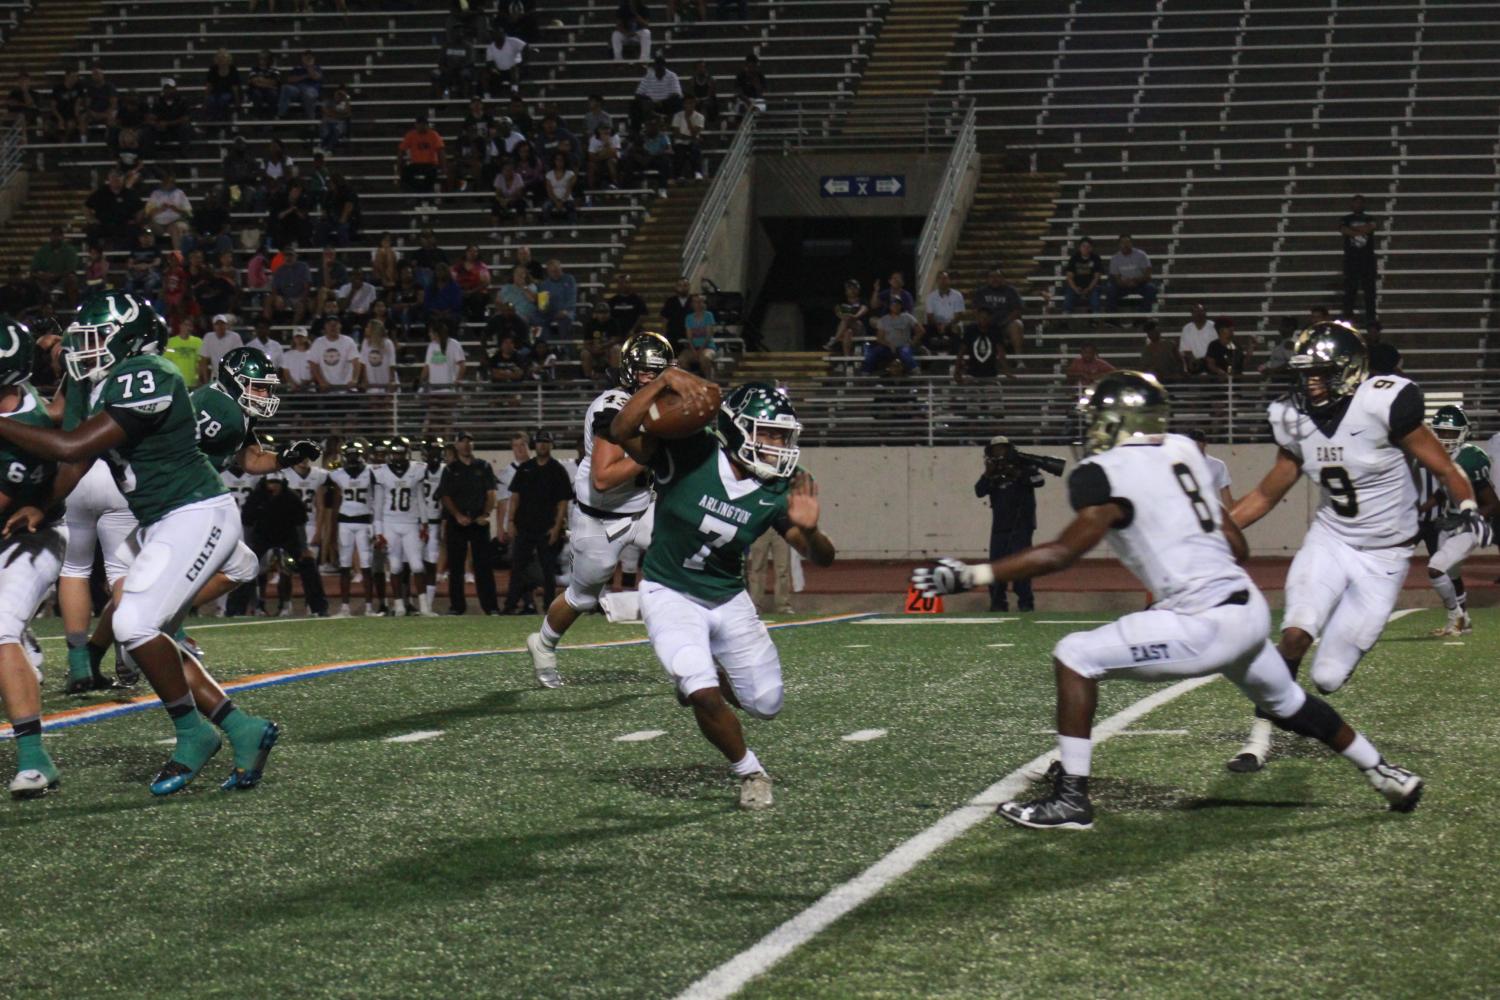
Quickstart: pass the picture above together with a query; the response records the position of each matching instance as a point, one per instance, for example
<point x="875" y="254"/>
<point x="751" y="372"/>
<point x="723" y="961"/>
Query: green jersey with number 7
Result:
<point x="706" y="518"/>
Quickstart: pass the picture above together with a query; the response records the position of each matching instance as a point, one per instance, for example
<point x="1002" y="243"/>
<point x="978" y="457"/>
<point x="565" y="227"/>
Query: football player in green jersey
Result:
<point x="1457" y="537"/>
<point x="29" y="561"/>
<point x="717" y="490"/>
<point x="142" y="421"/>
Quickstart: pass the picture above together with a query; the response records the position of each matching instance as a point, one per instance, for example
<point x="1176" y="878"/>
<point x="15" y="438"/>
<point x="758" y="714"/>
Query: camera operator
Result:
<point x="1010" y="481"/>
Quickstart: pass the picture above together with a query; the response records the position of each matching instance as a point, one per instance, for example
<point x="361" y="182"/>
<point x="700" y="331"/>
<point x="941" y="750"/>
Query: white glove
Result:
<point x="949" y="576"/>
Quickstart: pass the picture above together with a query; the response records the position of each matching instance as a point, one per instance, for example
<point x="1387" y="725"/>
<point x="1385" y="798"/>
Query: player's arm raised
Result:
<point x="1088" y="528"/>
<point x="1269" y="491"/>
<point x="627" y="428"/>
<point x="256" y="461"/>
<point x="801" y="531"/>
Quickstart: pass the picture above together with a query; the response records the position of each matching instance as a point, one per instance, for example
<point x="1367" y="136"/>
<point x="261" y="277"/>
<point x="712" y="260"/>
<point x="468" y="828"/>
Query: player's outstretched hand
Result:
<point x="947" y="576"/>
<point x="802" y="503"/>
<point x="25" y="520"/>
<point x="296" y="452"/>
<point x="1473" y="521"/>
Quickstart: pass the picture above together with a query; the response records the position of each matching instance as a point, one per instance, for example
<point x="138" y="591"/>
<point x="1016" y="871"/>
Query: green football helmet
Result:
<point x="398" y="454"/>
<point x="106" y="330"/>
<point x="644" y="354"/>
<point x="17" y="351"/>
<point x="759" y="428"/>
<point x="1451" y="425"/>
<point x="1124" y="405"/>
<point x="1334" y="353"/>
<point x="250" y="379"/>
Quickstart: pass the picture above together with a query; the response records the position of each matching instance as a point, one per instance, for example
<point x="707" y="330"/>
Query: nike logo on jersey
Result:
<point x="1356" y="433"/>
<point x="766" y="503"/>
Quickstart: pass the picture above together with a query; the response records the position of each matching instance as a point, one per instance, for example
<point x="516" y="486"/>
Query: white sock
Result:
<point x="1446" y="591"/>
<point x="1077" y="752"/>
<point x="549" y="635"/>
<point x="746" y="765"/>
<point x="431" y="592"/>
<point x="1362" y="752"/>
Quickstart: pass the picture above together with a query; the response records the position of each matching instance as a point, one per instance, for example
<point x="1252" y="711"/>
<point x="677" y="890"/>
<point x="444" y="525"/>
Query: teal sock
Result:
<point x="180" y="635"/>
<point x="79" y="666"/>
<point x="32" y="756"/>
<point x="244" y="731"/>
<point x="196" y="739"/>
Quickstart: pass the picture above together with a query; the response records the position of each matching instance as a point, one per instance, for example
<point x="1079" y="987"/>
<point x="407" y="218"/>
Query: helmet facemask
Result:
<point x="87" y="353"/>
<point x="768" y="448"/>
<point x="258" y="394"/>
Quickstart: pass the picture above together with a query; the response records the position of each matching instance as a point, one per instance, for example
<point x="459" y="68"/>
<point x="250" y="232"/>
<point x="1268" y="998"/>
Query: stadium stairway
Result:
<point x="49" y="201"/>
<point x="653" y="257"/>
<point x="911" y="51"/>
<point x="1006" y="225"/>
<point x="44" y="33"/>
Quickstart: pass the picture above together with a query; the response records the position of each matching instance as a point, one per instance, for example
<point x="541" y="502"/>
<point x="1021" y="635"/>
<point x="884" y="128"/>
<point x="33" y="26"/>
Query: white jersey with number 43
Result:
<point x="1368" y="497"/>
<point x="628" y="498"/>
<point x="1171" y="537"/>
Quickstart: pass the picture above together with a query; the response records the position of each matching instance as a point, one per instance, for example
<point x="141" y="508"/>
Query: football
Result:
<point x="673" y="415"/>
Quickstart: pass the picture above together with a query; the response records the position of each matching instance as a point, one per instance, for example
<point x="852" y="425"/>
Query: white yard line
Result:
<point x="1398" y="615"/>
<point x="640" y="736"/>
<point x="731" y="977"/>
<point x="1001" y="645"/>
<point x="195" y="628"/>
<point x="1074" y="621"/>
<point x="416" y="737"/>
<point x="858" y="645"/>
<point x="925" y="620"/>
<point x="864" y="735"/>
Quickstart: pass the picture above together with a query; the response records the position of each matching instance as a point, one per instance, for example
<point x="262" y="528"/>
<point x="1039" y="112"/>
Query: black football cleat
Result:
<point x="1067" y="808"/>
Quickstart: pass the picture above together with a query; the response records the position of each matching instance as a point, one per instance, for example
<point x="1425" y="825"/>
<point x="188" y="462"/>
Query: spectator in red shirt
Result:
<point x="420" y="159"/>
<point x="1088" y="367"/>
<point x="473" y="277"/>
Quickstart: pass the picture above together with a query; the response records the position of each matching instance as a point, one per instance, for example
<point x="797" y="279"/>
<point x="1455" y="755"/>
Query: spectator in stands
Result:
<point x="210" y="226"/>
<point x="518" y="17"/>
<point x="596" y="115"/>
<point x="532" y="171"/>
<point x="520" y="118"/>
<point x="944" y="306"/>
<point x="356" y="301"/>
<point x="329" y="273"/>
<point x="702" y="86"/>
<point x="699" y="350"/>
<point x="101" y="101"/>
<point x="659" y="92"/>
<point x="560" y="290"/>
<point x="850" y="315"/>
<point x="290" y="219"/>
<point x="169" y="120"/>
<point x="20" y="294"/>
<point x="222" y="93"/>
<point x="114" y="213"/>
<point x="268" y="342"/>
<point x="1083" y="277"/>
<point x="1279" y="360"/>
<point x="507" y="364"/>
<point x="175" y="292"/>
<point x="676" y="309"/>
<point x="998" y="297"/>
<point x="405" y="300"/>
<point x="168" y="211"/>
<point x="503" y="322"/>
<point x="1358" y="231"/>
<point x="510" y="194"/>
<point x="981" y="353"/>
<point x="214" y="292"/>
<point x="420" y="159"/>
<point x="427" y="257"/>
<point x="560" y="205"/>
<point x="1159" y="357"/>
<point x="896" y="334"/>
<point x="1225" y="357"/>
<point x="219" y="341"/>
<point x="442" y="374"/>
<point x="338" y="111"/>
<point x="502" y="62"/>
<point x="244" y="183"/>
<point x="265" y="86"/>
<point x="1088" y="367"/>
<point x="341" y="212"/>
<point x="130" y="145"/>
<point x="687" y="146"/>
<point x="455" y="73"/>
<point x="385" y="268"/>
<point x="627" y="310"/>
<point x="521" y="293"/>
<point x="182" y="350"/>
<point x="291" y="284"/>
<point x="604" y="157"/>
<point x="702" y="6"/>
<point x="67" y="107"/>
<point x="277" y="168"/>
<point x="303" y="84"/>
<point x="336" y="364"/>
<point x="749" y="87"/>
<point x="297" y="363"/>
<point x="444" y="300"/>
<point x="473" y="277"/>
<point x="143" y="269"/>
<point x="524" y="258"/>
<point x="631" y="22"/>
<point x="1197" y="333"/>
<point x="377" y="360"/>
<point x="880" y="298"/>
<point x="651" y="151"/>
<point x="551" y="136"/>
<point x="1130" y="276"/>
<point x="96" y="270"/>
<point x="25" y="103"/>
<point x="55" y="266"/>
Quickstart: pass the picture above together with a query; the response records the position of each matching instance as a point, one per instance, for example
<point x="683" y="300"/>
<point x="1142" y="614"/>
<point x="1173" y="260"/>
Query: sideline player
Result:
<point x="354" y="486"/>
<point x="1356" y="436"/>
<point x="398" y="510"/>
<point x="1458" y="538"/>
<point x="613" y="509"/>
<point x="29" y="561"/>
<point x="1149" y="493"/>
<point x="432" y="519"/>
<point x="716" y="492"/>
<point x="142" y="419"/>
<point x="307" y="479"/>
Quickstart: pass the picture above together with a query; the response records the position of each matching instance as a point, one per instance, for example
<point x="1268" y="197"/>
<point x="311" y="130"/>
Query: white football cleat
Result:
<point x="755" y="791"/>
<point x="1401" y="788"/>
<point x="398" y="609"/>
<point x="343" y="611"/>
<point x="371" y="611"/>
<point x="285" y="612"/>
<point x="1457" y="624"/>
<point x="31" y="784"/>
<point x="543" y="662"/>
<point x="424" y="606"/>
<point x="1252" y="756"/>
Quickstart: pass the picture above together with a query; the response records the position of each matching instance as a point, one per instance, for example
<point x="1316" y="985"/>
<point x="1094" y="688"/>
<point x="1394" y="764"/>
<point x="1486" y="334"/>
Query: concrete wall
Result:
<point x="908" y="503"/>
<point x="730" y="245"/>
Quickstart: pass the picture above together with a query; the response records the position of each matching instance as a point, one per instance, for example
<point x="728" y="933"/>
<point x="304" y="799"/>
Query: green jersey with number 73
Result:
<point x="1368" y="497"/>
<point x="159" y="468"/>
<point x="706" y="518"/>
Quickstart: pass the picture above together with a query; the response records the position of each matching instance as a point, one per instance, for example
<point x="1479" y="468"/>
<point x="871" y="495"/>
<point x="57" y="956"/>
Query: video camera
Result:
<point x="1003" y="461"/>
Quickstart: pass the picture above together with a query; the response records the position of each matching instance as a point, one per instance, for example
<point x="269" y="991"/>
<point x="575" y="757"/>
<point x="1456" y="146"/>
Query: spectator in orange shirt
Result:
<point x="420" y="159"/>
<point x="1088" y="366"/>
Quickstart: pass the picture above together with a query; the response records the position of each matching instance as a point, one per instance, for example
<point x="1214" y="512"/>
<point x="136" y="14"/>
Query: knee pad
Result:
<point x="693" y="668"/>
<point x="11" y="627"/>
<point x="580" y="600"/>
<point x="1434" y="574"/>
<point x="766" y="704"/>
<point x="133" y="625"/>
<point x="1316" y="719"/>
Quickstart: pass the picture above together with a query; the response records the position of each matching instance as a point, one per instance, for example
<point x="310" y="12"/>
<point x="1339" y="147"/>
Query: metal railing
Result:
<point x="12" y="151"/>
<point x="835" y="410"/>
<point x="731" y="168"/>
<point x="941" y="216"/>
<point x="836" y="125"/>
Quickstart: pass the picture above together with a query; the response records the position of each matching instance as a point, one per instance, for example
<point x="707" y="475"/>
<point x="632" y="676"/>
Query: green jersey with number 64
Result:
<point x="706" y="518"/>
<point x="159" y="468"/>
<point x="222" y="427"/>
<point x="24" y="478"/>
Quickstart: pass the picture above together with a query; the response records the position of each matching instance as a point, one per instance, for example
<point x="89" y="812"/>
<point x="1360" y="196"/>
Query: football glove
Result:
<point x="297" y="451"/>
<point x="1469" y="519"/>
<point x="948" y="576"/>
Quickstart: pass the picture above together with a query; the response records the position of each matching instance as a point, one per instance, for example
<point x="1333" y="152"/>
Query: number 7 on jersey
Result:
<point x="720" y="533"/>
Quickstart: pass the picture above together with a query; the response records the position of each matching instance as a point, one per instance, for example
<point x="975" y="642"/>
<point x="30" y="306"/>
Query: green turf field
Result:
<point x="526" y="852"/>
